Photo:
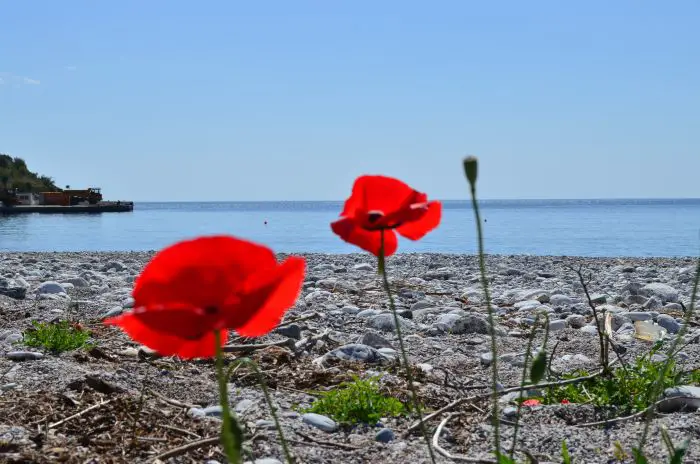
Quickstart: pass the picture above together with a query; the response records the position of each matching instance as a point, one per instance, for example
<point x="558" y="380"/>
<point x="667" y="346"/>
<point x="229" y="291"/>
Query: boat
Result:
<point x="63" y="202"/>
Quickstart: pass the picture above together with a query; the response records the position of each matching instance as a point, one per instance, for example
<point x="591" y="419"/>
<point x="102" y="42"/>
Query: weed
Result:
<point x="626" y="389"/>
<point x="56" y="337"/>
<point x="359" y="401"/>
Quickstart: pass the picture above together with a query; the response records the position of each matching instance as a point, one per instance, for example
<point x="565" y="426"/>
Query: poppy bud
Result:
<point x="470" y="169"/>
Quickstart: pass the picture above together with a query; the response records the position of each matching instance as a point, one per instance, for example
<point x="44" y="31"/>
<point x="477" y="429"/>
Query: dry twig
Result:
<point x="326" y="443"/>
<point x="187" y="447"/>
<point x="84" y="411"/>
<point x="469" y="399"/>
<point x="445" y="453"/>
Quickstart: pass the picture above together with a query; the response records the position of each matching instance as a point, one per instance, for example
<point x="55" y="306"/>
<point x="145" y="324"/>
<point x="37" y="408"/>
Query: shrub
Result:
<point x="359" y="401"/>
<point x="56" y="337"/>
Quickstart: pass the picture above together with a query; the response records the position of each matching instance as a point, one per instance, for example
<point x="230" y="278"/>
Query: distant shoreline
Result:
<point x="407" y="256"/>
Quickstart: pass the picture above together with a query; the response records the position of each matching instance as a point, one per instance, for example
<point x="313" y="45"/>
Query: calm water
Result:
<point x="539" y="227"/>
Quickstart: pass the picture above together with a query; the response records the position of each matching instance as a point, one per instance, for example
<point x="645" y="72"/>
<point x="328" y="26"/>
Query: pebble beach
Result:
<point x="118" y="402"/>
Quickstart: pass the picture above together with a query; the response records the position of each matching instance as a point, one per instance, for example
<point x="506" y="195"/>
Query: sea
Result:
<point x="614" y="228"/>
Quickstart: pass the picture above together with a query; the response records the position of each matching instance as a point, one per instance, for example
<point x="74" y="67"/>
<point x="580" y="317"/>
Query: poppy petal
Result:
<point x="369" y="240"/>
<point x="182" y="321"/>
<point x="166" y="344"/>
<point x="268" y="296"/>
<point x="416" y="229"/>
<point x="378" y="193"/>
<point x="201" y="272"/>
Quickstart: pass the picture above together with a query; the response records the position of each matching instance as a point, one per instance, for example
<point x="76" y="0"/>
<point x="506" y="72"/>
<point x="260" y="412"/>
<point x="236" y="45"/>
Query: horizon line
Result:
<point x="441" y="199"/>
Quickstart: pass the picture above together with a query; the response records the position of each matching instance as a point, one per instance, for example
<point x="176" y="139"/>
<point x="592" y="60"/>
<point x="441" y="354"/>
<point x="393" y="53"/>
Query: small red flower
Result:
<point x="195" y="287"/>
<point x="565" y="401"/>
<point x="531" y="403"/>
<point x="383" y="203"/>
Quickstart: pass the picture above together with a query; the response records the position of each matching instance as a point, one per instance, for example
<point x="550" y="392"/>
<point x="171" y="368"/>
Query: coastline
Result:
<point x="342" y="303"/>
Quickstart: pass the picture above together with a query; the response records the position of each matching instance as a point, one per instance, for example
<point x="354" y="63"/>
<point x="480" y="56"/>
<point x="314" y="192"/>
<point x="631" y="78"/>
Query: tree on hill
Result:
<point x="14" y="174"/>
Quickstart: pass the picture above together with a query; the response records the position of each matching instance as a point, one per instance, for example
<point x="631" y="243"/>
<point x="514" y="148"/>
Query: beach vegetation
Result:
<point x="359" y="401"/>
<point x="56" y="337"/>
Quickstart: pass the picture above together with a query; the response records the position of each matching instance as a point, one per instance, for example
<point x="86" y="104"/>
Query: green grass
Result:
<point x="626" y="390"/>
<point x="56" y="337"/>
<point x="359" y="401"/>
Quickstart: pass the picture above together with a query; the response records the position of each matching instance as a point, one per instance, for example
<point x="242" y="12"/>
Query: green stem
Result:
<point x="487" y="296"/>
<point x="523" y="380"/>
<point x="658" y="385"/>
<point x="404" y="354"/>
<point x="273" y="412"/>
<point x="231" y="434"/>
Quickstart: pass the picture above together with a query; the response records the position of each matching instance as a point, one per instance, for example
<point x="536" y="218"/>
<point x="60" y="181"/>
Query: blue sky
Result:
<point x="281" y="100"/>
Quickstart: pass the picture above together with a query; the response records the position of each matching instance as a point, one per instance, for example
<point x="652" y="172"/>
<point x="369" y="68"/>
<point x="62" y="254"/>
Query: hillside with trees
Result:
<point x="14" y="174"/>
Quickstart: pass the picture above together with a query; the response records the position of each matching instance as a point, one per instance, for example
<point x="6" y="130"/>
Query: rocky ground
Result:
<point x="117" y="402"/>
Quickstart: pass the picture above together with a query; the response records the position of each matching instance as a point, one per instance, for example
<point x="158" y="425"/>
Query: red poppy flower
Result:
<point x="382" y="203"/>
<point x="565" y="401"/>
<point x="531" y="403"/>
<point x="192" y="288"/>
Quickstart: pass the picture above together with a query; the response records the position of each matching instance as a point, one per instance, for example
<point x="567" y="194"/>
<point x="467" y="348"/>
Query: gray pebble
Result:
<point x="24" y="356"/>
<point x="320" y="422"/>
<point x="385" y="436"/>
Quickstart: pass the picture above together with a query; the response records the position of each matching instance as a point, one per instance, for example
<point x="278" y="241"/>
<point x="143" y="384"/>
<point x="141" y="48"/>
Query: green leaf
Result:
<point x="539" y="365"/>
<point x="565" y="457"/>
<point x="667" y="441"/>
<point x="639" y="457"/>
<point x="504" y="459"/>
<point x="677" y="457"/>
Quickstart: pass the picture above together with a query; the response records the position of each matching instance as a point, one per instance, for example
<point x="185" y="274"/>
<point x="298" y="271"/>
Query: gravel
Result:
<point x="341" y="326"/>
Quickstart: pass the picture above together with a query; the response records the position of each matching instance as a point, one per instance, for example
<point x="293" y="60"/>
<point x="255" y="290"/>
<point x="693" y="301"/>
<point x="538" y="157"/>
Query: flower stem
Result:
<point x="231" y="433"/>
<point x="470" y="168"/>
<point x="273" y="411"/>
<point x="656" y="389"/>
<point x="523" y="381"/>
<point x="404" y="354"/>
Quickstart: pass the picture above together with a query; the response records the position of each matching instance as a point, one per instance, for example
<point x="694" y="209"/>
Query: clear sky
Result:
<point x="290" y="100"/>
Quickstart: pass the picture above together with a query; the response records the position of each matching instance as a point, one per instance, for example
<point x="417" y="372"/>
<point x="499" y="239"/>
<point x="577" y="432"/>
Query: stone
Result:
<point x="350" y="309"/>
<point x="560" y="300"/>
<point x="243" y="406"/>
<point x="464" y="324"/>
<point x="265" y="424"/>
<point x="635" y="299"/>
<point x="386" y="323"/>
<point x="290" y="331"/>
<point x="374" y="340"/>
<point x="673" y="307"/>
<point x="652" y="303"/>
<point x="589" y="329"/>
<point x="638" y="316"/>
<point x="668" y="323"/>
<point x="422" y="305"/>
<point x="115" y="311"/>
<point x="683" y="398"/>
<point x="114" y="266"/>
<point x="24" y="356"/>
<point x="50" y="288"/>
<point x="486" y="358"/>
<point x="368" y="313"/>
<point x="555" y="326"/>
<point x="576" y="321"/>
<point x="12" y="289"/>
<point x="77" y="282"/>
<point x="357" y="353"/>
<point x="364" y="267"/>
<point x="385" y="436"/>
<point x="599" y="298"/>
<point x="320" y="422"/>
<point x="663" y="292"/>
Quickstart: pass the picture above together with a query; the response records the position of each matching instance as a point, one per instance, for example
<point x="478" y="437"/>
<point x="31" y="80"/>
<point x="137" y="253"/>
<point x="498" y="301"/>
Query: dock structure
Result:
<point x="105" y="207"/>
